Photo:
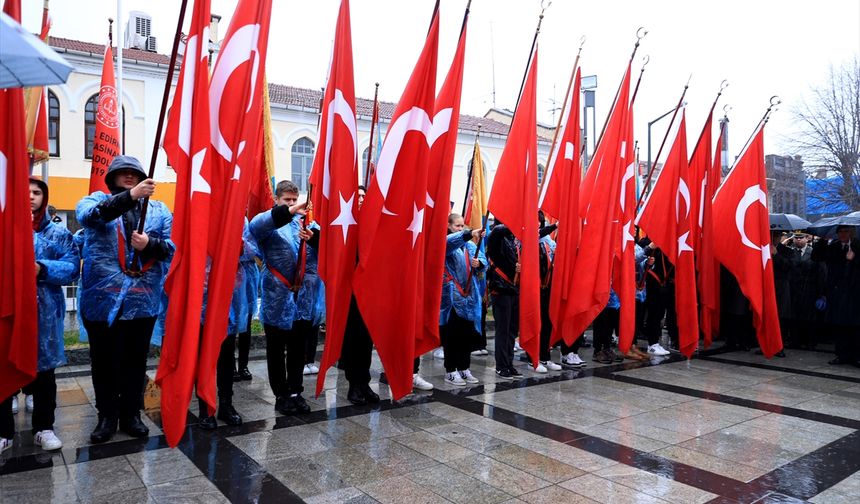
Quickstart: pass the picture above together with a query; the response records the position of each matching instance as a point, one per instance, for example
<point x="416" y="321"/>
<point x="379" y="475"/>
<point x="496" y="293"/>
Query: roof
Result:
<point x="823" y="196"/>
<point x="127" y="54"/>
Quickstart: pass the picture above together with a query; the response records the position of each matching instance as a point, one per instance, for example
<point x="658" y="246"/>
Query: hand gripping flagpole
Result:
<point x="155" y="145"/>
<point x="646" y="187"/>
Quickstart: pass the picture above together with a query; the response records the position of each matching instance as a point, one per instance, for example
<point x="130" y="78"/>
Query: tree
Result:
<point x="829" y="136"/>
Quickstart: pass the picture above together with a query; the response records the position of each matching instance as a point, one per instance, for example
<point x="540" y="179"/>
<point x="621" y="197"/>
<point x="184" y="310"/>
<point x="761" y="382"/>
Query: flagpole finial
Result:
<point x="726" y="109"/>
<point x="640" y="33"/>
<point x="775" y="100"/>
<point x="110" y="30"/>
<point x="723" y="85"/>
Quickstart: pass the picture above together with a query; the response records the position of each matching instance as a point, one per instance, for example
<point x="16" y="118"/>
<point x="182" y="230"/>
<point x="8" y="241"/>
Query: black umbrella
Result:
<point x="787" y="222"/>
<point x="826" y="227"/>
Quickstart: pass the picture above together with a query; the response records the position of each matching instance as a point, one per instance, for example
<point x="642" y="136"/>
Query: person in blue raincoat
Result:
<point x="460" y="310"/>
<point x="248" y="264"/>
<point x="278" y="238"/>
<point x="310" y="306"/>
<point x="57" y="264"/>
<point x="120" y="301"/>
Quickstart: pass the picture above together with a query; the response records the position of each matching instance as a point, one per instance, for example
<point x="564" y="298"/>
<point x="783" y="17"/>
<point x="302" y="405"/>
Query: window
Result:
<point x="90" y="125"/>
<point x="363" y="163"/>
<point x="302" y="157"/>
<point x="53" y="125"/>
<point x="541" y="169"/>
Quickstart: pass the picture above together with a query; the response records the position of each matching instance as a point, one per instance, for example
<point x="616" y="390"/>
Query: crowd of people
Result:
<point x="122" y="273"/>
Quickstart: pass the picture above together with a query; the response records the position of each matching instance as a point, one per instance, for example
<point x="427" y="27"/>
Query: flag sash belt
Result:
<point x="120" y="239"/>
<point x="450" y="277"/>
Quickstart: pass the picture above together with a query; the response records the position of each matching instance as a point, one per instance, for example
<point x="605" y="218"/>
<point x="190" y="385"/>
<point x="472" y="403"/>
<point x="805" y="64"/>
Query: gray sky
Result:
<point x="763" y="48"/>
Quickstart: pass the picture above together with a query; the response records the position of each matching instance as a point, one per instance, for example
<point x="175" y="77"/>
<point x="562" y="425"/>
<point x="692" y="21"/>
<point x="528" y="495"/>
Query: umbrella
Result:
<point x="826" y="227"/>
<point x="787" y="222"/>
<point x="25" y="61"/>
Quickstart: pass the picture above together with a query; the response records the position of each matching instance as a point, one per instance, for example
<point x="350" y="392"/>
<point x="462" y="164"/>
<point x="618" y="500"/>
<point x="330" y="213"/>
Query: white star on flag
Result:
<point x="345" y="218"/>
<point x="417" y="224"/>
<point x="683" y="244"/>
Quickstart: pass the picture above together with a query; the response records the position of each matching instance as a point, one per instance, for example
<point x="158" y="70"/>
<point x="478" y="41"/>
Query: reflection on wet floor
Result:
<point x="726" y="427"/>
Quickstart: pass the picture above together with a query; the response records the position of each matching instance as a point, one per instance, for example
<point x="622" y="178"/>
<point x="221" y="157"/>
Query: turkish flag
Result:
<point x="513" y="201"/>
<point x="187" y="144"/>
<point x="19" y="327"/>
<point x="389" y="281"/>
<point x="335" y="187"/>
<point x="624" y="270"/>
<point x="235" y="112"/>
<point x="707" y="171"/>
<point x="439" y="170"/>
<point x="106" y="144"/>
<point x="562" y="178"/>
<point x="665" y="218"/>
<point x="599" y="199"/>
<point x="741" y="215"/>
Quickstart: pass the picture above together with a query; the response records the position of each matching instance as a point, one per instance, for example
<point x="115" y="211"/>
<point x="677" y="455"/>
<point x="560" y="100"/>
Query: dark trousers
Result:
<point x="545" y="325"/>
<point x="506" y="311"/>
<point x="311" y="334"/>
<point x="603" y="327"/>
<point x="224" y="373"/>
<point x="357" y="351"/>
<point x="660" y="302"/>
<point x="480" y="341"/>
<point x="44" y="392"/>
<point x="118" y="355"/>
<point x="738" y="330"/>
<point x="285" y="372"/>
<point x="847" y="342"/>
<point x="566" y="349"/>
<point x="243" y="343"/>
<point x="457" y="336"/>
<point x="640" y="322"/>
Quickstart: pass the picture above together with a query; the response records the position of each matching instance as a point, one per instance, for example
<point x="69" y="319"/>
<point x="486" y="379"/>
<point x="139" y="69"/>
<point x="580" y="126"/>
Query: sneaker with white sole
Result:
<point x="420" y="383"/>
<point x="47" y="440"/>
<point x="439" y="353"/>
<point x="572" y="360"/>
<point x="467" y="376"/>
<point x="314" y="368"/>
<point x="550" y="365"/>
<point x="517" y="347"/>
<point x="540" y="369"/>
<point x="455" y="379"/>
<point x="28" y="403"/>
<point x="657" y="349"/>
<point x="477" y="353"/>
<point x="5" y="444"/>
<point x="307" y="370"/>
<point x="15" y="405"/>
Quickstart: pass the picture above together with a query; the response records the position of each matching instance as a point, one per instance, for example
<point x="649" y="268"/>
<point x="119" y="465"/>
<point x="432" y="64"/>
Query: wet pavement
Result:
<point x="723" y="427"/>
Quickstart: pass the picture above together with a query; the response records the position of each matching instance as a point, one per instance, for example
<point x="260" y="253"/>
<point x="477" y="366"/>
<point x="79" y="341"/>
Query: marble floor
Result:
<point x="723" y="427"/>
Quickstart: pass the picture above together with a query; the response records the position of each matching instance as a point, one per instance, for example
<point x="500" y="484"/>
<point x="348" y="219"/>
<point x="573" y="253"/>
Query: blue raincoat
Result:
<point x="311" y="297"/>
<point x="109" y="293"/>
<point x="639" y="258"/>
<point x="458" y="253"/>
<point x="279" y="249"/>
<point x="248" y="264"/>
<point x="239" y="306"/>
<point x="82" y="332"/>
<point x="58" y="256"/>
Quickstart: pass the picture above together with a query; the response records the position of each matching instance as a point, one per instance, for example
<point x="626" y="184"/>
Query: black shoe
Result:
<point x="134" y="427"/>
<point x="245" y="374"/>
<point x="839" y="360"/>
<point x="280" y="404"/>
<point x="759" y="352"/>
<point x="207" y="423"/>
<point x="617" y="356"/>
<point x="383" y="378"/>
<point x="371" y="396"/>
<point x="227" y="414"/>
<point x="514" y="373"/>
<point x="781" y="353"/>
<point x="104" y="431"/>
<point x="356" y="396"/>
<point x="504" y="374"/>
<point x="237" y="377"/>
<point x="298" y="404"/>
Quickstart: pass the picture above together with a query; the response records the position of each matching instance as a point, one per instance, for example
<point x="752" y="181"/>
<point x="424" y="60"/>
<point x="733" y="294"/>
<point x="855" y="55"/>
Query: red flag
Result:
<point x="665" y="217"/>
<point x="624" y="271"/>
<point x="391" y="233"/>
<point x="562" y="178"/>
<point x="18" y="312"/>
<point x="741" y="215"/>
<point x="187" y="144"/>
<point x="235" y="111"/>
<point x="447" y="119"/>
<point x="513" y="201"/>
<point x="106" y="137"/>
<point x="36" y="106"/>
<point x="706" y="264"/>
<point x="599" y="208"/>
<point x="335" y="181"/>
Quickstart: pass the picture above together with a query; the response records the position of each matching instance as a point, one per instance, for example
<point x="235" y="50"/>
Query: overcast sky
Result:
<point x="762" y="48"/>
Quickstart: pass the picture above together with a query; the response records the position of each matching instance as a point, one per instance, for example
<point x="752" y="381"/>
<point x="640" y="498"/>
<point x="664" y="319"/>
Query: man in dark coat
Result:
<point x="807" y="286"/>
<point x="842" y="291"/>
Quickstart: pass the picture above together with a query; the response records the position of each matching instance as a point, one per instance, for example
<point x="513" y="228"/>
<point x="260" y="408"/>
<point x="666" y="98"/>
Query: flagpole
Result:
<point x="119" y="43"/>
<point x="774" y="101"/>
<point x="645" y="61"/>
<point x="563" y="107"/>
<point x="471" y="172"/>
<point x="543" y="9"/>
<point x="646" y="189"/>
<point x="723" y="85"/>
<point x="373" y="114"/>
<point x="155" y="145"/>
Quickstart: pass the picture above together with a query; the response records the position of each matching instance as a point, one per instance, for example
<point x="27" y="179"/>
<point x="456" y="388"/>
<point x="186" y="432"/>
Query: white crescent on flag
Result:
<point x="752" y="195"/>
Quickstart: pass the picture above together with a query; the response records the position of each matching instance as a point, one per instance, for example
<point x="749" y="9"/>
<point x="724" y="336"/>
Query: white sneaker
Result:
<point x="657" y="349"/>
<point x="5" y="444"/>
<point x="15" y="404"/>
<point x="572" y="359"/>
<point x="439" y="353"/>
<point x="455" y="379"/>
<point x="550" y="365"/>
<point x="466" y="375"/>
<point x="314" y="368"/>
<point x="47" y="440"/>
<point x="540" y="369"/>
<point x="477" y="353"/>
<point x="517" y="347"/>
<point x="420" y="383"/>
<point x="28" y="403"/>
<point x="306" y="370"/>
<point x="484" y="351"/>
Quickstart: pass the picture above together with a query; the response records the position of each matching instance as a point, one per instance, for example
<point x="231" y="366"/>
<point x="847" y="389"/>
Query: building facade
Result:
<point x="786" y="184"/>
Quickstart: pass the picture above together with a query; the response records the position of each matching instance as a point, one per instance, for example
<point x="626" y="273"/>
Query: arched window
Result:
<point x="90" y="125"/>
<point x="302" y="157"/>
<point x="363" y="163"/>
<point x="53" y="125"/>
<point x="541" y="170"/>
